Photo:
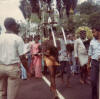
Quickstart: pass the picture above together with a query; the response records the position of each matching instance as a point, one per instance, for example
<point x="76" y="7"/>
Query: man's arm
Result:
<point x="24" y="62"/>
<point x="89" y="59"/>
<point x="76" y="52"/>
<point x="22" y="53"/>
<point x="90" y="54"/>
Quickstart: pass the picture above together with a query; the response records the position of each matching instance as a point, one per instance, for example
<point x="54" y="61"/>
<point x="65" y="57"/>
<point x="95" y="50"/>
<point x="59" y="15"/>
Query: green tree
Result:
<point x="81" y="20"/>
<point x="94" y="19"/>
<point x="88" y="8"/>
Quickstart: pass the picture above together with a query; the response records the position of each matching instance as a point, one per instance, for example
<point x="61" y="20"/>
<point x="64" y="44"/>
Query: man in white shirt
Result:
<point x="81" y="56"/>
<point x="11" y="53"/>
<point x="63" y="59"/>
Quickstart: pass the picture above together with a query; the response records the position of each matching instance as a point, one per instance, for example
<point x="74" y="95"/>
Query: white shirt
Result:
<point x="27" y="48"/>
<point x="11" y="47"/>
<point x="79" y="48"/>
<point x="69" y="42"/>
<point x="63" y="52"/>
<point x="80" y="51"/>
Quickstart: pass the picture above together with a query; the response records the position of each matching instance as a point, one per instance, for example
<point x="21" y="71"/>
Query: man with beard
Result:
<point x="94" y="58"/>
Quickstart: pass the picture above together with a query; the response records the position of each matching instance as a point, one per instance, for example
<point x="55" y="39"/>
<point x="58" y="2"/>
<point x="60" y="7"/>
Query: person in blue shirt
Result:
<point x="94" y="59"/>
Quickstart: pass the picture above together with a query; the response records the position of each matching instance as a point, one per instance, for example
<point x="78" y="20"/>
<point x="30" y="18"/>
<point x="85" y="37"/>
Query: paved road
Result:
<point x="38" y="89"/>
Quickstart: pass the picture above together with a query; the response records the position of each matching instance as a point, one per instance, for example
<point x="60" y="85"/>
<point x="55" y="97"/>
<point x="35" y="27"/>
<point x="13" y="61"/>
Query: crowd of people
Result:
<point x="33" y="58"/>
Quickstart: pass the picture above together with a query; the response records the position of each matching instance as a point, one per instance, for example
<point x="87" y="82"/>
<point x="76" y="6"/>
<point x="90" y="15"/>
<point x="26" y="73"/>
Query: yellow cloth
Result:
<point x="50" y="61"/>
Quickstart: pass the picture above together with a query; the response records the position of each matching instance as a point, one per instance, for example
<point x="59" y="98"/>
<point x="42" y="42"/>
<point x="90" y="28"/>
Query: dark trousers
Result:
<point x="95" y="78"/>
<point x="65" y="64"/>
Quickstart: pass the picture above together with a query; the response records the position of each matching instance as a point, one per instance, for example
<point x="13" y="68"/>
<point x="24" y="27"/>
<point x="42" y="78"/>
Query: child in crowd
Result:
<point x="69" y="51"/>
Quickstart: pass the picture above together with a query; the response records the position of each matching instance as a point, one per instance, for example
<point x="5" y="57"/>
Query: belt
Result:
<point x="17" y="64"/>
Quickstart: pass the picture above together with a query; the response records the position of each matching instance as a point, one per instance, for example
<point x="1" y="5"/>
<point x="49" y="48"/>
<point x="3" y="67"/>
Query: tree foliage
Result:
<point x="94" y="19"/>
<point x="25" y="8"/>
<point x="70" y="4"/>
<point x="88" y="8"/>
<point x="81" y="20"/>
<point x="35" y="6"/>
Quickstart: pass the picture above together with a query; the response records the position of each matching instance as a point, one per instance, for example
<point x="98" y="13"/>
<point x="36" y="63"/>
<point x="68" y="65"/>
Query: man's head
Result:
<point x="96" y="31"/>
<point x="82" y="34"/>
<point x="36" y="38"/>
<point x="11" y="25"/>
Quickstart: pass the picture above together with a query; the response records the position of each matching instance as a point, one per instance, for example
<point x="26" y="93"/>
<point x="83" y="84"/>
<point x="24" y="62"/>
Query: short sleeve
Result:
<point x="21" y="47"/>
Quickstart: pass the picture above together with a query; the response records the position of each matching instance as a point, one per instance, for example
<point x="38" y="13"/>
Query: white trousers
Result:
<point x="9" y="81"/>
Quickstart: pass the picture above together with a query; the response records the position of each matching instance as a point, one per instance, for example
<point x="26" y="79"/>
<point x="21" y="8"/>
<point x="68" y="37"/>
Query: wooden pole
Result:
<point x="64" y="35"/>
<point x="53" y="35"/>
<point x="54" y="39"/>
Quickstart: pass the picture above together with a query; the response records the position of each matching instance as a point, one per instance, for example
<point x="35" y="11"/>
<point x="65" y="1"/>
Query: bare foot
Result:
<point x="55" y="95"/>
<point x="81" y="81"/>
<point x="58" y="75"/>
<point x="88" y="82"/>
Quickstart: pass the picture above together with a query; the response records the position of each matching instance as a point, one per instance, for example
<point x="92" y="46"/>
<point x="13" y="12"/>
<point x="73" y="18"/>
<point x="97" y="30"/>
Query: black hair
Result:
<point x="53" y="52"/>
<point x="11" y="25"/>
<point x="36" y="37"/>
<point x="96" y="27"/>
<point x="70" y="47"/>
<point x="9" y="22"/>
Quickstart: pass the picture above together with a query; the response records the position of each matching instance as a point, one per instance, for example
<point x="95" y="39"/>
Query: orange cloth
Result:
<point x="50" y="61"/>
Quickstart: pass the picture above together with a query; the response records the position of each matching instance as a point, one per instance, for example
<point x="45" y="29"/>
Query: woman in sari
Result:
<point x="36" y="64"/>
